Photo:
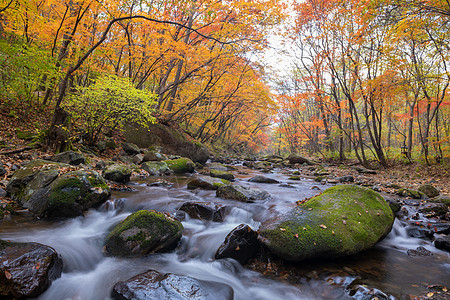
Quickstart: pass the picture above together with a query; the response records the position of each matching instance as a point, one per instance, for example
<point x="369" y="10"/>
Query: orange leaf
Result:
<point x="323" y="226"/>
<point x="8" y="275"/>
<point x="38" y="266"/>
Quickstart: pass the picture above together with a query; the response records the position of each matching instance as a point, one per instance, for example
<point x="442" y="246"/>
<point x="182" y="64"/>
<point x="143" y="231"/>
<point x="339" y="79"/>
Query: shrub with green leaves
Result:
<point x="107" y="104"/>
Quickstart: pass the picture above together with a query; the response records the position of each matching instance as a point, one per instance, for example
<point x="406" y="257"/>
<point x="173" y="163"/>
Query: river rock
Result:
<point x="155" y="285"/>
<point x="241" y="193"/>
<point x="346" y="179"/>
<point x="156" y="167"/>
<point x="143" y="232"/>
<point x="443" y="243"/>
<point x="181" y="165"/>
<point x="206" y="183"/>
<point x="433" y="209"/>
<point x="53" y="190"/>
<point x="429" y="190"/>
<point x="410" y="193"/>
<point x="420" y="251"/>
<point x="240" y="244"/>
<point x="297" y="159"/>
<point x="216" y="166"/>
<point x="203" y="211"/>
<point x="2" y="169"/>
<point x="69" y="157"/>
<point x="221" y="174"/>
<point x="118" y="173"/>
<point x="27" y="269"/>
<point x="263" y="179"/>
<point x="130" y="148"/>
<point x="153" y="155"/>
<point x="343" y="220"/>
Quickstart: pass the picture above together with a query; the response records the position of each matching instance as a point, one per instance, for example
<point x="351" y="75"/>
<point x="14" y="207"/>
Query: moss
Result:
<point x="181" y="165"/>
<point x="221" y="174"/>
<point x="342" y="220"/>
<point x="319" y="178"/>
<point x="296" y="173"/>
<point x="222" y="182"/>
<point x="410" y="193"/>
<point x="294" y="178"/>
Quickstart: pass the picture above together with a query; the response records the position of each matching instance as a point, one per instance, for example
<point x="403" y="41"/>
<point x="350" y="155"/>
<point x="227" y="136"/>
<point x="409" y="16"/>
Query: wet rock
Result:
<point x="118" y="173"/>
<point x="420" y="251"/>
<point x="346" y="179"/>
<point x="130" y="148"/>
<point x="201" y="211"/>
<point x="143" y="232"/>
<point x="138" y="159"/>
<point x="287" y="185"/>
<point x="294" y="178"/>
<point x="240" y="244"/>
<point x="410" y="193"/>
<point x="2" y="169"/>
<point x="216" y="166"/>
<point x="262" y="165"/>
<point x="27" y="269"/>
<point x="161" y="183"/>
<point x="433" y="209"/>
<point x="181" y="165"/>
<point x="263" y="179"/>
<point x="53" y="190"/>
<point x="241" y="193"/>
<point x="297" y="159"/>
<point x="363" y="292"/>
<point x="153" y="155"/>
<point x="207" y="183"/>
<point x="443" y="199"/>
<point x="443" y="243"/>
<point x="156" y="167"/>
<point x="419" y="232"/>
<point x="429" y="190"/>
<point x="343" y="220"/>
<point x="221" y="174"/>
<point x="155" y="285"/>
<point x="69" y="157"/>
<point x="394" y="205"/>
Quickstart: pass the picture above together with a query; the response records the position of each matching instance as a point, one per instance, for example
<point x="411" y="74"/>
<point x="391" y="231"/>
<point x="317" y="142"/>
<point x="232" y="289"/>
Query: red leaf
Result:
<point x="8" y="275"/>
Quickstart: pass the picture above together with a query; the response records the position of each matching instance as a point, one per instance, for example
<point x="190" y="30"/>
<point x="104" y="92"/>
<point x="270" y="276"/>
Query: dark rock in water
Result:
<point x="171" y="141"/>
<point x="262" y="179"/>
<point x="216" y="166"/>
<point x="198" y="210"/>
<point x="240" y="244"/>
<point x="181" y="165"/>
<point x="130" y="148"/>
<point x="206" y="183"/>
<point x="27" y="269"/>
<point x="297" y="159"/>
<point x="287" y="185"/>
<point x="118" y="173"/>
<point x="346" y="179"/>
<point x="419" y="232"/>
<point x="429" y="190"/>
<point x="221" y="174"/>
<point x="443" y="243"/>
<point x="420" y="251"/>
<point x="52" y="190"/>
<point x="433" y="209"/>
<point x="69" y="157"/>
<point x="154" y="285"/>
<point x="143" y="232"/>
<point x="362" y="292"/>
<point x="241" y="193"/>
<point x="341" y="221"/>
<point x="394" y="205"/>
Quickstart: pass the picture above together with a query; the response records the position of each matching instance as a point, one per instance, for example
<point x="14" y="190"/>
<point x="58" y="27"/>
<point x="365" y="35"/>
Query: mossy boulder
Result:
<point x="181" y="165"/>
<point x="143" y="232"/>
<point x="429" y="190"/>
<point x="69" y="157"/>
<point x="221" y="174"/>
<point x="343" y="220"/>
<point x="155" y="167"/>
<point x="130" y="148"/>
<point x="298" y="159"/>
<point x="153" y="155"/>
<point x="118" y="173"/>
<point x="410" y="193"/>
<point x="50" y="189"/>
<point x="241" y="193"/>
<point x="217" y="166"/>
<point x="207" y="183"/>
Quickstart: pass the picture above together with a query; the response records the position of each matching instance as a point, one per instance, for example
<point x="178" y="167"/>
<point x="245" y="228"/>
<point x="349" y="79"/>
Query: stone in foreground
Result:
<point x="240" y="244"/>
<point x="143" y="232"/>
<point x="154" y="285"/>
<point x="343" y="220"/>
<point x="241" y="193"/>
<point x="27" y="269"/>
<point x="118" y="173"/>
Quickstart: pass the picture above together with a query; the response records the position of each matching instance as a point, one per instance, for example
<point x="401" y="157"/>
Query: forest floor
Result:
<point x="410" y="175"/>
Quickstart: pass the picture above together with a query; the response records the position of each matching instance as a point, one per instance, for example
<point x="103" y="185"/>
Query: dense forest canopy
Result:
<point x="368" y="78"/>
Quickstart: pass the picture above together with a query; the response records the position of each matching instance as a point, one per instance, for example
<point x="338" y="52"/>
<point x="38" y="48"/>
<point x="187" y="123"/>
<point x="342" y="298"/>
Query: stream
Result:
<point x="89" y="274"/>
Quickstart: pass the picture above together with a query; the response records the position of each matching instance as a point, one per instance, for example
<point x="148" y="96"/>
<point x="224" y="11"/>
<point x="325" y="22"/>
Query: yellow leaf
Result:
<point x="430" y="294"/>
<point x="323" y="226"/>
<point x="282" y="229"/>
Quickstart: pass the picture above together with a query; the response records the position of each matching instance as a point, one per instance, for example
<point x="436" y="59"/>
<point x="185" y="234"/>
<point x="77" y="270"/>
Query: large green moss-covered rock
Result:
<point x="343" y="220"/>
<point x="429" y="190"/>
<point x="143" y="232"/>
<point x="221" y="174"/>
<point x="181" y="165"/>
<point x="155" y="167"/>
<point x="206" y="183"/>
<point x="118" y="173"/>
<point x="50" y="189"/>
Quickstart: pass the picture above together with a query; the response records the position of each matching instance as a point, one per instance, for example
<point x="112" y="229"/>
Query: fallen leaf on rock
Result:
<point x="282" y="229"/>
<point x="8" y="275"/>
<point x="343" y="221"/>
<point x="296" y="235"/>
<point x="429" y="295"/>
<point x="323" y="226"/>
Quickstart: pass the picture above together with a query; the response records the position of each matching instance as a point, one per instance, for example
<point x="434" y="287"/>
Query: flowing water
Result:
<point x="88" y="274"/>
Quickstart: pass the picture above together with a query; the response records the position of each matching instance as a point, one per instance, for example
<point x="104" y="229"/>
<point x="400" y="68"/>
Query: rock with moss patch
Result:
<point x="69" y="157"/>
<point x="130" y="148"/>
<point x="433" y="209"/>
<point x="343" y="220"/>
<point x="221" y="174"/>
<point x="153" y="155"/>
<point x="429" y="190"/>
<point x="206" y="183"/>
<point x="410" y="193"/>
<point x="241" y="193"/>
<point x="156" y="167"/>
<point x="263" y="179"/>
<point x="216" y="166"/>
<point x="25" y="135"/>
<point x="118" y="173"/>
<point x="143" y="232"/>
<point x="181" y="165"/>
<point x="298" y="159"/>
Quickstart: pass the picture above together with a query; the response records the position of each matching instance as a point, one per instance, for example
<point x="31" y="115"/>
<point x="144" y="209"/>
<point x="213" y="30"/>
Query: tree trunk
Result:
<point x="58" y="135"/>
